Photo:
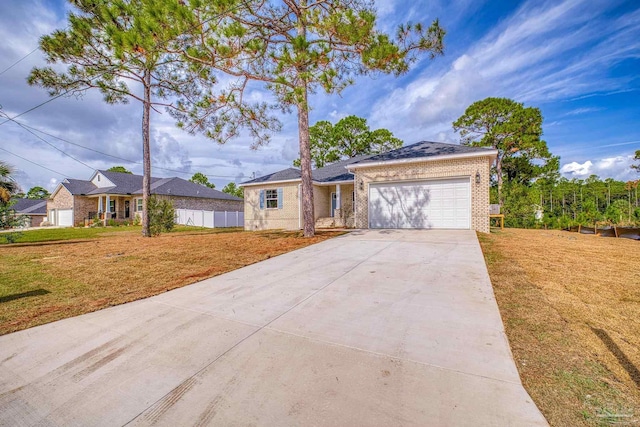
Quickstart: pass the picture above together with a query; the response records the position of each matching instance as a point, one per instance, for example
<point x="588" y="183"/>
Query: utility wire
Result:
<point x="37" y="164"/>
<point x="18" y="61"/>
<point x="51" y="145"/>
<point x="28" y="127"/>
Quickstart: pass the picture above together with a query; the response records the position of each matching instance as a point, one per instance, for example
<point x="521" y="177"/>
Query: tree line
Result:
<point x="526" y="179"/>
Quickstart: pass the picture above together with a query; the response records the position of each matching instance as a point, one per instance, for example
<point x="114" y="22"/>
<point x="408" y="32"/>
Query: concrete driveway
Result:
<point x="376" y="328"/>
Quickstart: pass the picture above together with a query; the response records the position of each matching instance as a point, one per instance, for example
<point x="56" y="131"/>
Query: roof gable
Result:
<point x="100" y="180"/>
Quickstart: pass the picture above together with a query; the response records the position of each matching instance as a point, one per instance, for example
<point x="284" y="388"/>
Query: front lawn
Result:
<point x="571" y="308"/>
<point x="47" y="281"/>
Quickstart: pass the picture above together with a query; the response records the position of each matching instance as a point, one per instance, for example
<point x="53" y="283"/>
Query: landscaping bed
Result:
<point x="570" y="304"/>
<point x="42" y="281"/>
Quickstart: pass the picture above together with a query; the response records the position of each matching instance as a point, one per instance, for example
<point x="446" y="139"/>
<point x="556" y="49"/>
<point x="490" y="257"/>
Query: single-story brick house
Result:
<point x="424" y="185"/>
<point x="34" y="209"/>
<point x="115" y="195"/>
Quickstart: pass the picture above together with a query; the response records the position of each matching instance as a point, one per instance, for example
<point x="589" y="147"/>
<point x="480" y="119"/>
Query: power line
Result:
<point x="18" y="61"/>
<point x="37" y="164"/>
<point x="33" y="108"/>
<point x="27" y="127"/>
<point x="51" y="145"/>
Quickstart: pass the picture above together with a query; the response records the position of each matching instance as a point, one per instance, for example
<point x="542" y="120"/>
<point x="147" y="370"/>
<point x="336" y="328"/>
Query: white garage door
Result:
<point x="421" y="204"/>
<point x="65" y="217"/>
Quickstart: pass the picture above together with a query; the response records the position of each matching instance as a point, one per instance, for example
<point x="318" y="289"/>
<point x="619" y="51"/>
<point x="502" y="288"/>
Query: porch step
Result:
<point x="326" y="222"/>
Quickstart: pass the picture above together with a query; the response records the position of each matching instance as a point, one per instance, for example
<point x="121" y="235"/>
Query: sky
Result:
<point x="578" y="61"/>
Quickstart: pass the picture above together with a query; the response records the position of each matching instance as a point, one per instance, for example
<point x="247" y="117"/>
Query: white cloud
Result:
<point x="618" y="167"/>
<point x="576" y="169"/>
<point x="543" y="52"/>
<point x="583" y="110"/>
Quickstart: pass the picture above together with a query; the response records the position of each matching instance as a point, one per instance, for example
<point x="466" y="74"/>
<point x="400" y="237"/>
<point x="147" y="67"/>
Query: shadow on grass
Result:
<point x="628" y="366"/>
<point x="34" y="293"/>
<point x="47" y="243"/>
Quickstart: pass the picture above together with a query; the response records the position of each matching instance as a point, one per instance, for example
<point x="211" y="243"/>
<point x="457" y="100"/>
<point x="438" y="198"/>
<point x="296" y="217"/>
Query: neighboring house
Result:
<point x="114" y="195"/>
<point x="34" y="209"/>
<point x="423" y="185"/>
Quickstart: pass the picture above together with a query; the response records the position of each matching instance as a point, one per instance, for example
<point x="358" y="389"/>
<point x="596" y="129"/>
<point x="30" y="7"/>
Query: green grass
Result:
<point x="75" y="233"/>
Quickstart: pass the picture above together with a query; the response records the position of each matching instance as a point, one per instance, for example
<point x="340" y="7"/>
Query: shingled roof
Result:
<point x="423" y="149"/>
<point x="337" y="172"/>
<point x="30" y="206"/>
<point x="78" y="186"/>
<point x="127" y="184"/>
<point x="183" y="188"/>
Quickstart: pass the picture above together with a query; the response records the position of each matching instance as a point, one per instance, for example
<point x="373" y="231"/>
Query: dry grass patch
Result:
<point x="571" y="308"/>
<point x="43" y="282"/>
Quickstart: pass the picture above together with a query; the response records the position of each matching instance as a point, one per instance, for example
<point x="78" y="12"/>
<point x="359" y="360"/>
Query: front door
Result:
<point x="126" y="208"/>
<point x="333" y="203"/>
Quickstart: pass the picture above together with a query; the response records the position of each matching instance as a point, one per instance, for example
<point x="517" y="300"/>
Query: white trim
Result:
<point x="325" y="184"/>
<point x="489" y="153"/>
<point x="253" y="184"/>
<point x="318" y="183"/>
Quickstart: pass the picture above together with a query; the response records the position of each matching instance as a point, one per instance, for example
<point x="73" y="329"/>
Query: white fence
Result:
<point x="209" y="219"/>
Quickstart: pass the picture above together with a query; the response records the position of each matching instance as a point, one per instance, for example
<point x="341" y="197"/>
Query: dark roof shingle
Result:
<point x="337" y="171"/>
<point x="183" y="188"/>
<point x="126" y="184"/>
<point x="420" y="150"/>
<point x="30" y="206"/>
<point x="78" y="186"/>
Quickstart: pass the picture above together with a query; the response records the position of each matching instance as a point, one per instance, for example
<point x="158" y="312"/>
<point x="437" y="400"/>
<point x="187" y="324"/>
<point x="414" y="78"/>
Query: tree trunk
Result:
<point x="309" y="226"/>
<point x="499" y="173"/>
<point x="146" y="154"/>
<point x="308" y="217"/>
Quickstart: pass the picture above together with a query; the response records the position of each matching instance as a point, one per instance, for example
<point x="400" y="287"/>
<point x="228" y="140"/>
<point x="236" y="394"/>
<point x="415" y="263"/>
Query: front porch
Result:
<point x="334" y="205"/>
<point x="105" y="207"/>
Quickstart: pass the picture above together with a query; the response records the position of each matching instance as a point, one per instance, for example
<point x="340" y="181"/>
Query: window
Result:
<point x="272" y="199"/>
<point x="112" y="205"/>
<point x="139" y="205"/>
<point x="353" y="200"/>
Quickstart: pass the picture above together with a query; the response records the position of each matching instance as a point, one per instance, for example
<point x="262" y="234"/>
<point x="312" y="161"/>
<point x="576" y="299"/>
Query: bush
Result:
<point x="161" y="215"/>
<point x="136" y="220"/>
<point x="112" y="223"/>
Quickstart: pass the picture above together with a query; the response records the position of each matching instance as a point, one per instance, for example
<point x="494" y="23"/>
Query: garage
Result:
<point x="430" y="204"/>
<point x="65" y="217"/>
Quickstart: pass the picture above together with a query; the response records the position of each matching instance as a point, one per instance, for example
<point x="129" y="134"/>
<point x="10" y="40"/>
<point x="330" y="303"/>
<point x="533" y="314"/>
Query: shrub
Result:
<point x="112" y="223"/>
<point x="136" y="220"/>
<point x="161" y="215"/>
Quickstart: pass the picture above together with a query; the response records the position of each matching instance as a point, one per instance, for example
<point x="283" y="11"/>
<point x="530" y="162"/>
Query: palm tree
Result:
<point x="8" y="185"/>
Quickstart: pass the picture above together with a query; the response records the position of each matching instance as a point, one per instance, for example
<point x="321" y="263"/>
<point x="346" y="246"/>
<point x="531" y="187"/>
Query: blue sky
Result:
<point x="578" y="61"/>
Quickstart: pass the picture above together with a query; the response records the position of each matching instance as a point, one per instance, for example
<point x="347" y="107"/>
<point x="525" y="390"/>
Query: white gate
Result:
<point x="209" y="219"/>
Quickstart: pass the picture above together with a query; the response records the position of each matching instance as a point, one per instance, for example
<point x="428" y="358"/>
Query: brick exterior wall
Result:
<point x="346" y="205"/>
<point x="286" y="218"/>
<point x="34" y="220"/>
<point x="429" y="170"/>
<point x="82" y="206"/>
<point x="322" y="201"/>
<point x="62" y="200"/>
